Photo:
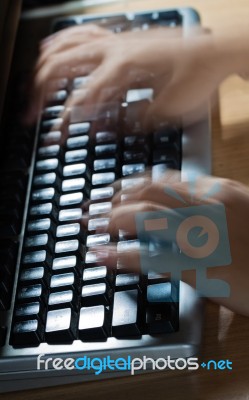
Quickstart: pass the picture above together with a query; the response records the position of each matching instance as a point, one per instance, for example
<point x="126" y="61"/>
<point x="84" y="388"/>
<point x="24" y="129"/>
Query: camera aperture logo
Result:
<point x="193" y="237"/>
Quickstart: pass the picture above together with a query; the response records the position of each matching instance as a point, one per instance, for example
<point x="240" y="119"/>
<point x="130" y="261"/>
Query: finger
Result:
<point x="63" y="42"/>
<point x="123" y="217"/>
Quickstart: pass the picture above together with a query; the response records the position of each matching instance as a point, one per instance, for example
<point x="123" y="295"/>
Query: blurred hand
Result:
<point x="158" y="196"/>
<point x="181" y="71"/>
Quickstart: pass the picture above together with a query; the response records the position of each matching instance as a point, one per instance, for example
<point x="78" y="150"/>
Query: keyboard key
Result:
<point x="61" y="326"/>
<point x="49" y="124"/>
<point x="59" y="96"/>
<point x="50" y="138"/>
<point x="104" y="178"/>
<point x="100" y="208"/>
<point x="63" y="299"/>
<point x="94" y="323"/>
<point x="44" y="194"/>
<point x="165" y="137"/>
<point x="105" y="150"/>
<point x="76" y="169"/>
<point x="130" y="142"/>
<point x="72" y="214"/>
<point x="49" y="151"/>
<point x="41" y="226"/>
<point x="70" y="185"/>
<point x="105" y="164"/>
<point x="98" y="240"/>
<point x="71" y="199"/>
<point x="43" y="210"/>
<point x="64" y="263"/>
<point x="68" y="246"/>
<point x="96" y="294"/>
<point x="50" y="164"/>
<point x="130" y="169"/>
<point x="134" y="156"/>
<point x="30" y="311"/>
<point x="31" y="293"/>
<point x="52" y="112"/>
<point x="63" y="281"/>
<point x="126" y="319"/>
<point x="27" y="333"/>
<point x="34" y="276"/>
<point x="132" y="182"/>
<point x="73" y="156"/>
<point x="102" y="193"/>
<point x="162" y="318"/>
<point x="161" y="157"/>
<point x="124" y="280"/>
<point x="49" y="179"/>
<point x="41" y="257"/>
<point x="98" y="223"/>
<point x="77" y="142"/>
<point x="68" y="230"/>
<point x="97" y="275"/>
<point x="79" y="128"/>
<point x="106" y="137"/>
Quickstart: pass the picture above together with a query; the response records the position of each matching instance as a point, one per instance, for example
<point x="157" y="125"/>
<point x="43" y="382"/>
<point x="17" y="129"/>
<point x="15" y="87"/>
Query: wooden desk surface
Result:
<point x="226" y="335"/>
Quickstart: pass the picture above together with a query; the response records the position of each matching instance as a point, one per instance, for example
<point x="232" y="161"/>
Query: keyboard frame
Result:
<point x="18" y="366"/>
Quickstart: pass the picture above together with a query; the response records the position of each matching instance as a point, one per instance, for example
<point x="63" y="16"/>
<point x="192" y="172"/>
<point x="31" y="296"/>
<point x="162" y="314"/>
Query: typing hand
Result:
<point x="159" y="196"/>
<point x="182" y="72"/>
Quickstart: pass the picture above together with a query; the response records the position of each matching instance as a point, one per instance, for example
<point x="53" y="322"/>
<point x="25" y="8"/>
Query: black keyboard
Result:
<point x="62" y="296"/>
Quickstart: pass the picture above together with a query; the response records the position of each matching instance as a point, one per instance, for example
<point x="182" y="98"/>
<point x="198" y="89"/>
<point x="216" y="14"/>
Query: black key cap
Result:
<point x="34" y="310"/>
<point x="50" y="138"/>
<point x="49" y="124"/>
<point x="33" y="276"/>
<point x="69" y="246"/>
<point x="67" y="280"/>
<point x="40" y="257"/>
<point x="47" y="194"/>
<point x="165" y="137"/>
<point x="133" y="156"/>
<point x="164" y="156"/>
<point x="130" y="142"/>
<point x="124" y="280"/>
<point x="61" y="326"/>
<point x="71" y="214"/>
<point x="96" y="294"/>
<point x="62" y="264"/>
<point x="63" y="299"/>
<point x="96" y="275"/>
<point x="105" y="165"/>
<point x="43" y="210"/>
<point x="77" y="142"/>
<point x="104" y="193"/>
<point x="58" y="97"/>
<point x="41" y="226"/>
<point x="73" y="185"/>
<point x="27" y="333"/>
<point x="103" y="178"/>
<point x="94" y="323"/>
<point x="71" y="199"/>
<point x="39" y="242"/>
<point x="74" y="156"/>
<point x="126" y="319"/>
<point x="49" y="151"/>
<point x="130" y="169"/>
<point x="79" y="128"/>
<point x="52" y="112"/>
<point x="104" y="150"/>
<point x="106" y="137"/>
<point x="31" y="293"/>
<point x="46" y="180"/>
<point x="50" y="164"/>
<point x="100" y="208"/>
<point x="75" y="170"/>
<point x="98" y="240"/>
<point x="68" y="231"/>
